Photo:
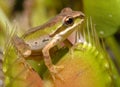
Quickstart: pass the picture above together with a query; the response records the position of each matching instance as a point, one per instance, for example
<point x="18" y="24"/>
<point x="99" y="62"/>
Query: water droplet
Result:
<point x="107" y="65"/>
<point x="101" y="32"/>
<point x="110" y="15"/>
<point x="96" y="52"/>
<point x="109" y="79"/>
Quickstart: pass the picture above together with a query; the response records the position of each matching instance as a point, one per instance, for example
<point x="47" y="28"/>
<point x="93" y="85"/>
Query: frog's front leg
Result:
<point x="54" y="70"/>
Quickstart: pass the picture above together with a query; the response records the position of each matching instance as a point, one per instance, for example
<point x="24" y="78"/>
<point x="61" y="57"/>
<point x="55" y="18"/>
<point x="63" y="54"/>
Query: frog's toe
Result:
<point x="56" y="69"/>
<point x="55" y="72"/>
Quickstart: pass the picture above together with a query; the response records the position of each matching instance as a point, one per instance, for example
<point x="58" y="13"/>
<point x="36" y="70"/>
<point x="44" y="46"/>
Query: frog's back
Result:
<point x="44" y="29"/>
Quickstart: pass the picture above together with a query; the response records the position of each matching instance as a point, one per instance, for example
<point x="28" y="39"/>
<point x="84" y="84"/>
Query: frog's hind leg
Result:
<point x="20" y="45"/>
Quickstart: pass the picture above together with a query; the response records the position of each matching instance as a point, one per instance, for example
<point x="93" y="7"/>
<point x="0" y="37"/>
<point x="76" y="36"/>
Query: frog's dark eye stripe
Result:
<point x="68" y="21"/>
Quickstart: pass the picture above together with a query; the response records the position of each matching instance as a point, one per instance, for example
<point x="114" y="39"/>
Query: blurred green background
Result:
<point x="104" y="13"/>
<point x="30" y="13"/>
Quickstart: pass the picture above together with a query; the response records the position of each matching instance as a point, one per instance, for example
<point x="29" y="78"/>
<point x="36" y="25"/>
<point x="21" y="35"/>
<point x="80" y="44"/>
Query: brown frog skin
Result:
<point x="41" y="39"/>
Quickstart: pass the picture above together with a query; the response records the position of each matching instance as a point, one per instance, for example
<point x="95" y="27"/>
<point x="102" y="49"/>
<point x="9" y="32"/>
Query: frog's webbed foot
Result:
<point x="54" y="71"/>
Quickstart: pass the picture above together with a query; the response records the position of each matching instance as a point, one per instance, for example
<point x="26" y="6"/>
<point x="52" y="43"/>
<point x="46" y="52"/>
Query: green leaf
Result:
<point x="105" y="15"/>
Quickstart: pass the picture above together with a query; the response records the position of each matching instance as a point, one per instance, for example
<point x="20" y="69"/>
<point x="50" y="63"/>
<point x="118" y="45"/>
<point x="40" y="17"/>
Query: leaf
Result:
<point x="18" y="73"/>
<point x="105" y="15"/>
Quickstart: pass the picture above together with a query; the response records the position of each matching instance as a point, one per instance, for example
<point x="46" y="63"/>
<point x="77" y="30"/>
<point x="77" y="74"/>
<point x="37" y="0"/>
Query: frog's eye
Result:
<point x="69" y="21"/>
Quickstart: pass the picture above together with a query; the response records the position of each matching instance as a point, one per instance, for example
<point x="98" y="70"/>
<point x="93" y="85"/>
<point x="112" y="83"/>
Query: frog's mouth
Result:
<point x="72" y="37"/>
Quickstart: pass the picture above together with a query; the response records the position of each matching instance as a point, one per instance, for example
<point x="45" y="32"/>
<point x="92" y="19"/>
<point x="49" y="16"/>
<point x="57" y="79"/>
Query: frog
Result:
<point x="41" y="39"/>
